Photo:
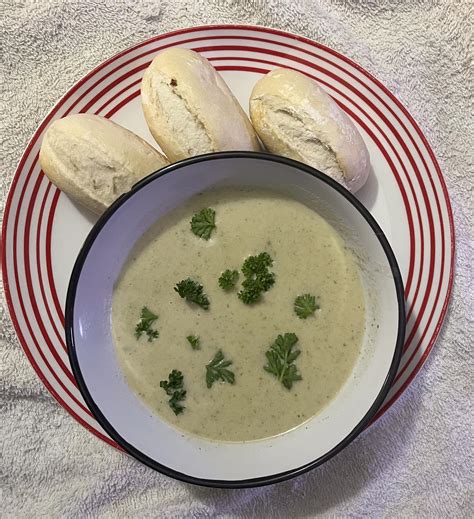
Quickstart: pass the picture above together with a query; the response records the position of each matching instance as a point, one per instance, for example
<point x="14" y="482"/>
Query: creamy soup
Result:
<point x="309" y="257"/>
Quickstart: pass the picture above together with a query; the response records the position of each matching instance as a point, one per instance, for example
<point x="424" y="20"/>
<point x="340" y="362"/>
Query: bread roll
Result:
<point x="296" y="118"/>
<point x="189" y="108"/>
<point x="94" y="160"/>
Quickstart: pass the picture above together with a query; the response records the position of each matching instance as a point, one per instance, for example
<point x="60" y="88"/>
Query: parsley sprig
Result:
<point x="216" y="370"/>
<point x="175" y="389"/>
<point x="305" y="305"/>
<point x="147" y="318"/>
<point x="228" y="279"/>
<point x="258" y="278"/>
<point x="203" y="223"/>
<point x="194" y="341"/>
<point x="281" y="357"/>
<point x="193" y="292"/>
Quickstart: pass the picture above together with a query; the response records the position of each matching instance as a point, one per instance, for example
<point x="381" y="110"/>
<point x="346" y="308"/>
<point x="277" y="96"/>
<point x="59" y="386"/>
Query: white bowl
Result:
<point x="146" y="436"/>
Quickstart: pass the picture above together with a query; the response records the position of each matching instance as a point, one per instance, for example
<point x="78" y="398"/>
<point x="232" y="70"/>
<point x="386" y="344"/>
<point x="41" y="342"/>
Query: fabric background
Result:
<point x="417" y="461"/>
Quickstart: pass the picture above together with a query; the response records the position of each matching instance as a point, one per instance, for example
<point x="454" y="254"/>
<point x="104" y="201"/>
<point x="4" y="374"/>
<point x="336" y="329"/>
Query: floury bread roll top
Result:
<point x="189" y="108"/>
<point x="296" y="118"/>
<point x="94" y="160"/>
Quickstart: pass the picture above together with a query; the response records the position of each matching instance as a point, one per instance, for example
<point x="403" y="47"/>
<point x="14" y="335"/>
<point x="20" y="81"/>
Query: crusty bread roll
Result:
<point x="296" y="118"/>
<point x="94" y="160"/>
<point x="189" y="108"/>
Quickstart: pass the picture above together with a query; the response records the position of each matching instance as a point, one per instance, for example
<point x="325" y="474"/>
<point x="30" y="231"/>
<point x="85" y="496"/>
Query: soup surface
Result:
<point x="308" y="257"/>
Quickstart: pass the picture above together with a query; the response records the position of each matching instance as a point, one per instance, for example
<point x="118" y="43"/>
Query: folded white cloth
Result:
<point x="414" y="462"/>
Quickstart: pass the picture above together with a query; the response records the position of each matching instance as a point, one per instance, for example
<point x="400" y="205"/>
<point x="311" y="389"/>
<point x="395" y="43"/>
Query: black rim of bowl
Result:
<point x="272" y="478"/>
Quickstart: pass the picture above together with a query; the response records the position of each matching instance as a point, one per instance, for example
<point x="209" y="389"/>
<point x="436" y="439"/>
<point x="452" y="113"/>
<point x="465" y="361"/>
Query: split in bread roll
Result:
<point x="296" y="118"/>
<point x="189" y="108"/>
<point x="94" y="160"/>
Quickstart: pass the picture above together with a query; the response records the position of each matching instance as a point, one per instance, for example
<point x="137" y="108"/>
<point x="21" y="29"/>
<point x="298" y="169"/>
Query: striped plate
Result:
<point x="43" y="230"/>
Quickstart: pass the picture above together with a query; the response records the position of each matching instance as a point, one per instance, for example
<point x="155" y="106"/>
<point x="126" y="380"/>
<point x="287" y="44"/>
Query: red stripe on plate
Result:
<point x="23" y="310"/>
<point x="59" y="336"/>
<point x="117" y="95"/>
<point x="49" y="263"/>
<point x="122" y="103"/>
<point x="109" y="87"/>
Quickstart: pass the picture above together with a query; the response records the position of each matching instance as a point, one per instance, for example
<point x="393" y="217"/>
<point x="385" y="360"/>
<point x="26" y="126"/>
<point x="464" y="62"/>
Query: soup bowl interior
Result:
<point x="152" y="440"/>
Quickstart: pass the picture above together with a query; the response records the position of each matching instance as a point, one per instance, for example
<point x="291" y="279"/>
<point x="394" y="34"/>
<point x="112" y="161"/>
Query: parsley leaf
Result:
<point x="174" y="389"/>
<point x="281" y="358"/>
<point x="256" y="264"/>
<point x="203" y="223"/>
<point x="250" y="293"/>
<point x="258" y="278"/>
<point x="228" y="279"/>
<point x="193" y="292"/>
<point x="147" y="318"/>
<point x="194" y="341"/>
<point x="305" y="305"/>
<point x="216" y="370"/>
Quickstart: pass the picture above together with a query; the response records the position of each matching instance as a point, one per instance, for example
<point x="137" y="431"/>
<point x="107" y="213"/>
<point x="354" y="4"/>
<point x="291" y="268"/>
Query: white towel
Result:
<point x="417" y="461"/>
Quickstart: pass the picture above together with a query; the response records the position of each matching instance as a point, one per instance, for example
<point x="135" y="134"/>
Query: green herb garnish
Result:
<point x="250" y="293"/>
<point x="258" y="278"/>
<point x="174" y="389"/>
<point x="147" y="318"/>
<point x="305" y="305"/>
<point x="281" y="358"/>
<point x="228" y="279"/>
<point x="193" y="292"/>
<point x="216" y="370"/>
<point x="203" y="223"/>
<point x="256" y="264"/>
<point x="194" y="341"/>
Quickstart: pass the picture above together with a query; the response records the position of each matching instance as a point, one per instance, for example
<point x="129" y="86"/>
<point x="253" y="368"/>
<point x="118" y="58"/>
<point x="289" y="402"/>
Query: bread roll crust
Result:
<point x="94" y="160"/>
<point x="189" y="108"/>
<point x="296" y="118"/>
